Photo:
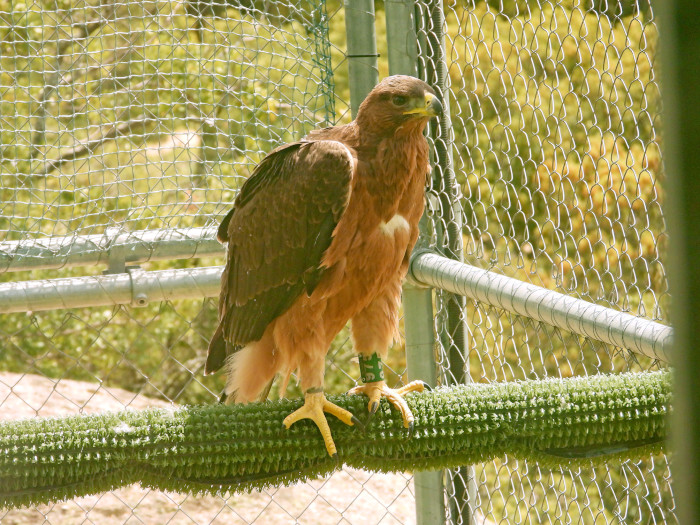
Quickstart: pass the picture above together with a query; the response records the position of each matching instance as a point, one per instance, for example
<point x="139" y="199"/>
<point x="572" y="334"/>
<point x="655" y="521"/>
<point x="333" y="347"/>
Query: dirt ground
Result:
<point x="348" y="497"/>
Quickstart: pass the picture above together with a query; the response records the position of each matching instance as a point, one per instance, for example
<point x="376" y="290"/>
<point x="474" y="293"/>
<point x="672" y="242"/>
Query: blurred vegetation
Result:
<point x="137" y="115"/>
<point x="555" y="111"/>
<point x="558" y="150"/>
<point x="151" y="114"/>
<point x="123" y="115"/>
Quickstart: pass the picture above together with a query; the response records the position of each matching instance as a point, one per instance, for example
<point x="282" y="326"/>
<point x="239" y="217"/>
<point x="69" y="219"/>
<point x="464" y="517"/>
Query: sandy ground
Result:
<point x="348" y="497"/>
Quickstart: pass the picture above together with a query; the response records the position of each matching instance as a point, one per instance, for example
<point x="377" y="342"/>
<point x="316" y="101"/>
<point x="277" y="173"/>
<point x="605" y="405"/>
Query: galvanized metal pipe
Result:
<point x="134" y="287"/>
<point x="112" y="247"/>
<point x="361" y="50"/>
<point x="138" y="287"/>
<point x="422" y="364"/>
<point x="402" y="50"/>
<point x="401" y="37"/>
<point x="461" y="481"/>
<point x="576" y="315"/>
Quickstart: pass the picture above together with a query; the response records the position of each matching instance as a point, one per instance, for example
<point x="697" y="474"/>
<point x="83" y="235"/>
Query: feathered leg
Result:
<point x="373" y="331"/>
<point x="302" y="340"/>
<point x="251" y="371"/>
<point x="315" y="402"/>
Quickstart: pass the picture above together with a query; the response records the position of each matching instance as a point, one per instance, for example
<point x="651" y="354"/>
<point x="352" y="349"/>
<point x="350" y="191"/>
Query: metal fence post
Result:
<point x="421" y="363"/>
<point x="361" y="50"/>
<point x="401" y="39"/>
<point x="454" y="336"/>
<point x="402" y="50"/>
<point x="681" y="46"/>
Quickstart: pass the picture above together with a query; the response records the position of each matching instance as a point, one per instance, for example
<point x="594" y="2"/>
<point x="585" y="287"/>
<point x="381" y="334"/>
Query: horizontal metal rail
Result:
<point x="134" y="287"/>
<point x="137" y="287"/>
<point x="114" y="248"/>
<point x="576" y="315"/>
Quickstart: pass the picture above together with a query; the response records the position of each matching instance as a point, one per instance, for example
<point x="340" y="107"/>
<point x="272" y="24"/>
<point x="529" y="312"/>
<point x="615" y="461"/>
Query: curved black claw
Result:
<point x="372" y="410"/>
<point x="358" y="423"/>
<point x="427" y="387"/>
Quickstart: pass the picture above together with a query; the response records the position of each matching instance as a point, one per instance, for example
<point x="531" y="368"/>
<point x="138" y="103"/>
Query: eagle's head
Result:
<point x="399" y="101"/>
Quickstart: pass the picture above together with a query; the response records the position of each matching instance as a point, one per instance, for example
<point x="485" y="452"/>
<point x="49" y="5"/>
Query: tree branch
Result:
<point x="50" y="85"/>
<point x="85" y="148"/>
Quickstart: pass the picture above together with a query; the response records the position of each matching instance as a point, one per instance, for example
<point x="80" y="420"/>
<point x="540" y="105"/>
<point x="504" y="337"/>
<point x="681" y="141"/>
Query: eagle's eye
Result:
<point x="399" y="100"/>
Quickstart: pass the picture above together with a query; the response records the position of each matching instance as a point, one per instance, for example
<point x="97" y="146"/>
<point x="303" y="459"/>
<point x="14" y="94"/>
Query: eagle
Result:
<point x="321" y="234"/>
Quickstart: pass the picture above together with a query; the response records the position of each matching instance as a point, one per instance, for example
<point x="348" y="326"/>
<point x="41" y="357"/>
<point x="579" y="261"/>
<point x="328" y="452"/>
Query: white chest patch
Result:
<point x="396" y="223"/>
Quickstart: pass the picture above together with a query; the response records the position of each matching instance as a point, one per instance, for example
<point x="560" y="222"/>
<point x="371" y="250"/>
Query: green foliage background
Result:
<point x="555" y="111"/>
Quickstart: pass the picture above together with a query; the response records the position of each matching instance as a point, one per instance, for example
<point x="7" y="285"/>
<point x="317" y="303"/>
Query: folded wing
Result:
<point x="281" y="224"/>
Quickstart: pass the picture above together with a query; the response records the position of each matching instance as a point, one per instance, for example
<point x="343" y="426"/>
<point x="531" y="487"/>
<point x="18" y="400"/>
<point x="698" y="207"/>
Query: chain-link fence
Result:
<point x="556" y="155"/>
<point x="127" y="128"/>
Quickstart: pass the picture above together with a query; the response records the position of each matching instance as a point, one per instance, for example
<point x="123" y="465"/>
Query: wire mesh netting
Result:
<point x="124" y="123"/>
<point x="149" y="114"/>
<point x="123" y="117"/>
<point x="555" y="147"/>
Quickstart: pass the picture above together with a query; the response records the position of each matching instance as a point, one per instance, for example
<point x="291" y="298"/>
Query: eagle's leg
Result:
<point x="311" y="369"/>
<point x="373" y="330"/>
<point x="315" y="404"/>
<point x="375" y="388"/>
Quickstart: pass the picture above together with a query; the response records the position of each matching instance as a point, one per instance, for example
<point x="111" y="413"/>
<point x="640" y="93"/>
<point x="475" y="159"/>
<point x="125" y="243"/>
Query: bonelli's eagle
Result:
<point x="320" y="234"/>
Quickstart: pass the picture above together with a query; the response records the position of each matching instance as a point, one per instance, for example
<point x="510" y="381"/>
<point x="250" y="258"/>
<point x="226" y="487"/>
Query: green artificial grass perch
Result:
<point x="220" y="449"/>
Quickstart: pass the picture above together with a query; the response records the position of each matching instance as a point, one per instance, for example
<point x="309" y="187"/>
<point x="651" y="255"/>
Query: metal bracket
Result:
<point x="116" y="254"/>
<point x="138" y="277"/>
<point x="116" y="264"/>
<point x="410" y="280"/>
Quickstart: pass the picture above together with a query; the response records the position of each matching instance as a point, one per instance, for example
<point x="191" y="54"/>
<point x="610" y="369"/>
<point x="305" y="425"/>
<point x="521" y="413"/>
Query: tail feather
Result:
<point x="219" y="350"/>
<point x="266" y="391"/>
<point x="229" y="399"/>
<point x="251" y="372"/>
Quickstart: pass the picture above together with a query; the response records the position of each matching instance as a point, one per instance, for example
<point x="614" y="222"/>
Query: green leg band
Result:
<point x="371" y="368"/>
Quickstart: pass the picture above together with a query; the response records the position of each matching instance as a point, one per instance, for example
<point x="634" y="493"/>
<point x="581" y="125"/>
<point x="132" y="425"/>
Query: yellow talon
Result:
<point x="315" y="404"/>
<point x="375" y="390"/>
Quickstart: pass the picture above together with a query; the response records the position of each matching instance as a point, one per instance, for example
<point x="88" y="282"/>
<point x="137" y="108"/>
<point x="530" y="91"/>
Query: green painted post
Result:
<point x="402" y="50"/>
<point x="361" y="50"/>
<point x="680" y="46"/>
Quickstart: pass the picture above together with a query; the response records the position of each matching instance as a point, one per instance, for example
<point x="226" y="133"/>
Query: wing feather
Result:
<point x="281" y="225"/>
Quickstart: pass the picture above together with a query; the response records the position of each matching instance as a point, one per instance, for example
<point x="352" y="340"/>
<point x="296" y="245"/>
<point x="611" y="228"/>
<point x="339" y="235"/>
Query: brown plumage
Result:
<point x="320" y="234"/>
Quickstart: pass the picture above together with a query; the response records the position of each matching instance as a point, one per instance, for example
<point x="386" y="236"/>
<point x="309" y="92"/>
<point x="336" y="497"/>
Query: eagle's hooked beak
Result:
<point x="431" y="108"/>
